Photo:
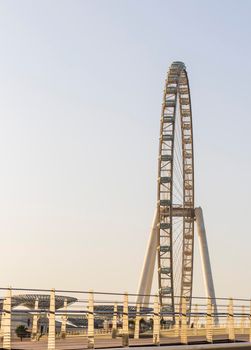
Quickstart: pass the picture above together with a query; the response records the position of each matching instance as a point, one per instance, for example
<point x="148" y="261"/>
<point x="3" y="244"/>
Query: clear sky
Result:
<point x="81" y="87"/>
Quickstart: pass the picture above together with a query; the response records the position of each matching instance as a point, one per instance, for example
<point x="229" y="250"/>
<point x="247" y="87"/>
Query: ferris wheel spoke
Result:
<point x="180" y="233"/>
<point x="176" y="253"/>
<point x="178" y="169"/>
<point x="178" y="189"/>
<point x="177" y="175"/>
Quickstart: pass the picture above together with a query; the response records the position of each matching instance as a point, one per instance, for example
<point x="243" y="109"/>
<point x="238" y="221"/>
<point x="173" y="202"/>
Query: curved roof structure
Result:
<point x="29" y="300"/>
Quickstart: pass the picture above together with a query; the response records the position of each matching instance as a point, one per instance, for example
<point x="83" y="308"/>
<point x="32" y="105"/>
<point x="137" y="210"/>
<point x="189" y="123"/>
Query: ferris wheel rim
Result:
<point x="176" y="95"/>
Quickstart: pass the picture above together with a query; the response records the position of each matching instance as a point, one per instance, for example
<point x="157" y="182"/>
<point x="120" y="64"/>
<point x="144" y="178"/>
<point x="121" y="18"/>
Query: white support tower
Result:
<point x="145" y="284"/>
<point x="146" y="279"/>
<point x="205" y="260"/>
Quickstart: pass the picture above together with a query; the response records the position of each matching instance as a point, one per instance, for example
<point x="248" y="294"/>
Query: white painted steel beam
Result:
<point x="205" y="260"/>
<point x="146" y="279"/>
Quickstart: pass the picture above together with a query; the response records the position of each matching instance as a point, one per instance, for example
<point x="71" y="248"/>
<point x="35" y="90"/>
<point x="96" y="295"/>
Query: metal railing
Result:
<point x="51" y="319"/>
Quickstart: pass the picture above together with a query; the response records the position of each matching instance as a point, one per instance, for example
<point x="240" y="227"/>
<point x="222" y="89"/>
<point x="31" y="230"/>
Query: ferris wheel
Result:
<point x="175" y="201"/>
<point x="172" y="235"/>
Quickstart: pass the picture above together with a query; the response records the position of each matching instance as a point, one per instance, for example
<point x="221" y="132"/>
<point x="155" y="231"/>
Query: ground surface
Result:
<point x="77" y="343"/>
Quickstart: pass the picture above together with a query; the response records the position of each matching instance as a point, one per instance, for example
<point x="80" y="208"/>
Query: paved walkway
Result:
<point x="77" y="343"/>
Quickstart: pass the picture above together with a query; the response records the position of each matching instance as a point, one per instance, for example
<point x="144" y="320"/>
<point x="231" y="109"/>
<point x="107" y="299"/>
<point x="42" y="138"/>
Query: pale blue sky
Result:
<point x="80" y="94"/>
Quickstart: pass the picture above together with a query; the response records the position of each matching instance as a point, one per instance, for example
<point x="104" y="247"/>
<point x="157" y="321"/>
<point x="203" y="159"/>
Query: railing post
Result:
<point x="243" y="318"/>
<point x="52" y="323"/>
<point x="90" y="331"/>
<point x="64" y="320"/>
<point x="156" y="321"/>
<point x="231" y="333"/>
<point x="177" y="323"/>
<point x="105" y="326"/>
<point x="6" y="321"/>
<point x="125" y="334"/>
<point x="196" y="320"/>
<point x="209" y="330"/>
<point x="114" y="321"/>
<point x="183" y="331"/>
<point x="250" y="323"/>
<point x="34" y="321"/>
<point x="137" y="318"/>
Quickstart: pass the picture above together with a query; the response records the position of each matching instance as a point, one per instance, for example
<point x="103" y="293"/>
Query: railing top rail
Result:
<point x="113" y="293"/>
